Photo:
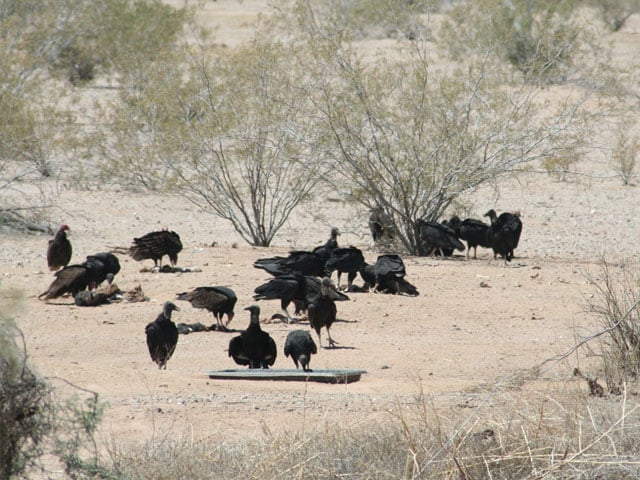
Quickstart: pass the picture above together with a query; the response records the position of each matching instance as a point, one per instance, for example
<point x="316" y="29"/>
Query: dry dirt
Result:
<point x="475" y="322"/>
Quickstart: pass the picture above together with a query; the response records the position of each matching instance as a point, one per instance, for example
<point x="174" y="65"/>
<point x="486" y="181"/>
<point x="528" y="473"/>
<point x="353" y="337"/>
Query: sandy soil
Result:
<point x="475" y="322"/>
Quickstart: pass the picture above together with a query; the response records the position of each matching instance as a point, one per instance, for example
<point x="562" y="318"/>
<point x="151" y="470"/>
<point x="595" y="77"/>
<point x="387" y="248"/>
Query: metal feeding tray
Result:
<point x="288" y="374"/>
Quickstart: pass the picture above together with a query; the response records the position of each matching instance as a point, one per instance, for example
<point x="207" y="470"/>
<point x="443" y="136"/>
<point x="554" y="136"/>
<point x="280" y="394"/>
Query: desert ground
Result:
<point x="475" y="324"/>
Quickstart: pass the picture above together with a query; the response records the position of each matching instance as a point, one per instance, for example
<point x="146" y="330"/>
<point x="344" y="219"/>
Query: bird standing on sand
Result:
<point x="218" y="300"/>
<point x="254" y="346"/>
<point x="322" y="310"/>
<point x="162" y="336"/>
<point x="59" y="249"/>
<point x="300" y="346"/>
<point x="155" y="245"/>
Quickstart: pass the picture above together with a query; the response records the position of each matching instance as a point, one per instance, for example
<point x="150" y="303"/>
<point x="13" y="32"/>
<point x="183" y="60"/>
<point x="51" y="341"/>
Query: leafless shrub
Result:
<point x="625" y="154"/>
<point x="25" y="409"/>
<point x="617" y="304"/>
<point x="34" y="424"/>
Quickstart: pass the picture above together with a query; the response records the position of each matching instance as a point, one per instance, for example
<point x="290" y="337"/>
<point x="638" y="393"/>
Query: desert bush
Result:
<point x="25" y="408"/>
<point x="542" y="39"/>
<point x="410" y="139"/>
<point x="247" y="135"/>
<point x="35" y="425"/>
<point x="367" y="18"/>
<point x="42" y="42"/>
<point x="625" y="154"/>
<point x="231" y="133"/>
<point x="617" y="305"/>
<point x="615" y="13"/>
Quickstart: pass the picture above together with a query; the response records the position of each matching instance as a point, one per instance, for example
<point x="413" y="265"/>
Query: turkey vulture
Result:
<point x="474" y="232"/>
<point x="504" y="233"/>
<point x="300" y="346"/>
<point x="59" y="249"/>
<point x="346" y="260"/>
<point x="155" y="245"/>
<point x="322" y="310"/>
<point x="286" y="288"/>
<point x="89" y="274"/>
<point x="439" y="238"/>
<point x="162" y="336"/>
<point x="254" y="346"/>
<point x="218" y="300"/>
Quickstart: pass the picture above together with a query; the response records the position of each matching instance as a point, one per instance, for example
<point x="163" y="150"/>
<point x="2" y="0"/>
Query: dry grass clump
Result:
<point x="508" y="435"/>
<point x="617" y="304"/>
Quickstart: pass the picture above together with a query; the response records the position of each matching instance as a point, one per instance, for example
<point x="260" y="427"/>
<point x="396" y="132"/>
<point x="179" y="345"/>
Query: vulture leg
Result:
<point x="220" y="326"/>
<point x="332" y="342"/>
<point x="290" y="319"/>
<point x="475" y="252"/>
<point x="350" y="279"/>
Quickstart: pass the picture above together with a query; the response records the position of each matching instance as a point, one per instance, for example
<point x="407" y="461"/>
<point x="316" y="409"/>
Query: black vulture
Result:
<point x="322" y="310"/>
<point x="254" y="346"/>
<point x="389" y="272"/>
<point x="369" y="277"/>
<point x="381" y="226"/>
<point x="298" y="261"/>
<point x="438" y="238"/>
<point x="347" y="260"/>
<point x="155" y="245"/>
<point x="106" y="263"/>
<point x="218" y="300"/>
<point x="286" y="288"/>
<point x="89" y="274"/>
<point x="236" y="350"/>
<point x="474" y="232"/>
<point x="300" y="346"/>
<point x="314" y="288"/>
<point x="504" y="233"/>
<point x="59" y="249"/>
<point x="387" y="276"/>
<point x="324" y="251"/>
<point x="162" y="336"/>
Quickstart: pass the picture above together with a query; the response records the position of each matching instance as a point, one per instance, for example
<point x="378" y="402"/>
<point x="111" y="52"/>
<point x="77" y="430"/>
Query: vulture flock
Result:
<point x="302" y="278"/>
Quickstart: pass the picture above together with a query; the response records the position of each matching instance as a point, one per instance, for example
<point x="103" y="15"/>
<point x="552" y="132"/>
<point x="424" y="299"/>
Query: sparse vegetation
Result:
<point x="544" y="40"/>
<point x="625" y="154"/>
<point x="248" y="135"/>
<point x="44" y="45"/>
<point x="242" y="128"/>
<point x="616" y="12"/>
<point x="618" y="307"/>
<point x="508" y="435"/>
<point x="34" y="424"/>
<point x="410" y="140"/>
<point x="236" y="138"/>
